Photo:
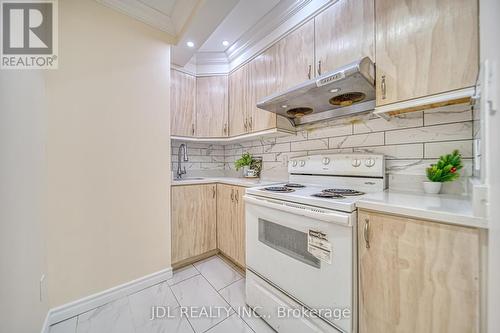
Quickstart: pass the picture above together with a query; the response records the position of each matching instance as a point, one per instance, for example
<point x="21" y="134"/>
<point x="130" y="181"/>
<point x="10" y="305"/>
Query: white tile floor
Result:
<point x="208" y="284"/>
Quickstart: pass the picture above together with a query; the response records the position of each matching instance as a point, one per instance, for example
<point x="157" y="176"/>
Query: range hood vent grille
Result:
<point x="347" y="99"/>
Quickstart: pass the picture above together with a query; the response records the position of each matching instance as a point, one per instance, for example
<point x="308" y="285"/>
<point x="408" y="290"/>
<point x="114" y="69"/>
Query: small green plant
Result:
<point x="245" y="160"/>
<point x="446" y="169"/>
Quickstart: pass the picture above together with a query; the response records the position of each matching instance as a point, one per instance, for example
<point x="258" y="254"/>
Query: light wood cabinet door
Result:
<point x="231" y="222"/>
<point x="238" y="215"/>
<point x="263" y="80"/>
<point x="239" y="100"/>
<point x="225" y="203"/>
<point x="182" y="103"/>
<point x="194" y="220"/>
<point x="212" y="106"/>
<point x="417" y="276"/>
<point x="425" y="47"/>
<point x="293" y="57"/>
<point x="345" y="32"/>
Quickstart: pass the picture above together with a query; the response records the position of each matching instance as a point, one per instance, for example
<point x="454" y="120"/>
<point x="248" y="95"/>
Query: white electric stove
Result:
<point x="301" y="242"/>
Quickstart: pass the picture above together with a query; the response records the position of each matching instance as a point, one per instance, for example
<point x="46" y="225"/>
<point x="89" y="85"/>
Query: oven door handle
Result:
<point x="304" y="210"/>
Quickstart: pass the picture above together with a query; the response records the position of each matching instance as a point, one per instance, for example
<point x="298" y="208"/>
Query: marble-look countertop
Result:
<point x="246" y="182"/>
<point x="440" y="208"/>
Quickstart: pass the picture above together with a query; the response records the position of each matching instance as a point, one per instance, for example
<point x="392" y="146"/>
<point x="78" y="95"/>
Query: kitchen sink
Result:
<point x="188" y="178"/>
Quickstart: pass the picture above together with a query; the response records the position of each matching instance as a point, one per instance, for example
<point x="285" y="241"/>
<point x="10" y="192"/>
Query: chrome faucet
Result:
<point x="184" y="155"/>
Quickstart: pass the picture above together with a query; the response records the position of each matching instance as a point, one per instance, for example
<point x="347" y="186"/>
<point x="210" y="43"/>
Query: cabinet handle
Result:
<point x="237" y="195"/>
<point x="213" y="192"/>
<point x="366" y="233"/>
<point x="319" y="67"/>
<point x="232" y="194"/>
<point x="225" y="129"/>
<point x="309" y="72"/>
<point x="250" y="123"/>
<point x="384" y="87"/>
<point x="245" y="124"/>
<point x="192" y="129"/>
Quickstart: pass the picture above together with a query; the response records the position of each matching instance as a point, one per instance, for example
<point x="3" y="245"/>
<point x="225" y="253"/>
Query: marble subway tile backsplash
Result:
<point x="410" y="142"/>
<point x="204" y="158"/>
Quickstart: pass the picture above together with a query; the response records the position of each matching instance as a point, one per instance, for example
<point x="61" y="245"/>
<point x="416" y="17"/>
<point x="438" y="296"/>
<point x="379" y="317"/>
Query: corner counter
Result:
<point x="443" y="208"/>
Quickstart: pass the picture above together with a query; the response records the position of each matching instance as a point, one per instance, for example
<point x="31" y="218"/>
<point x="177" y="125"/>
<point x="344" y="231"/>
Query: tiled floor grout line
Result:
<point x="223" y="320"/>
<point x="185" y="278"/>
<point x="203" y="276"/>
<point x="217" y="291"/>
<point x="170" y="287"/>
<point x="235" y="311"/>
<point x="230" y="284"/>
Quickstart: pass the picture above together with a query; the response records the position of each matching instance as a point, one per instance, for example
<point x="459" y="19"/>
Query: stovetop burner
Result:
<point x="328" y="195"/>
<point x="343" y="191"/>
<point x="281" y="189"/>
<point x="294" y="185"/>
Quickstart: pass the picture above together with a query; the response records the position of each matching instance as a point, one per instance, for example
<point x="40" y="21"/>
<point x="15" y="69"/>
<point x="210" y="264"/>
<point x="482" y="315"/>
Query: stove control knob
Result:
<point x="370" y="162"/>
<point x="326" y="160"/>
<point x="294" y="164"/>
<point x="356" y="163"/>
<point x="302" y="163"/>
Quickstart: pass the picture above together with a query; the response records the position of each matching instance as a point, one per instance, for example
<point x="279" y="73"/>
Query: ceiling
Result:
<point x="164" y="6"/>
<point x="205" y="24"/>
<point x="243" y="16"/>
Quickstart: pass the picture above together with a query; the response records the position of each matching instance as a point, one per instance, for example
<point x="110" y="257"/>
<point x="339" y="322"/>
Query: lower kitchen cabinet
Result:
<point x="231" y="222"/>
<point x="194" y="219"/>
<point x="417" y="276"/>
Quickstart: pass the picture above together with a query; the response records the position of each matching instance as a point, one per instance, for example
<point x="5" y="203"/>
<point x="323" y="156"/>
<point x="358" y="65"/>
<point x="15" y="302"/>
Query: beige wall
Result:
<point x="22" y="193"/>
<point x="108" y="152"/>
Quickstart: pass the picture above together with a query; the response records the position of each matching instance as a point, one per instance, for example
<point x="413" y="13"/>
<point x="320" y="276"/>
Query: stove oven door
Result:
<point x="277" y="251"/>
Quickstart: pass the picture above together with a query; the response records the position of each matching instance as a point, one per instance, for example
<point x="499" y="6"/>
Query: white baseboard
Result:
<point x="81" y="305"/>
<point x="45" y="327"/>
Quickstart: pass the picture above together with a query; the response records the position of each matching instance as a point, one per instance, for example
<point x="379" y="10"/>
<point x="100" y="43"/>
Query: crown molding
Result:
<point x="174" y="24"/>
<point x="276" y="24"/>
<point x="211" y="58"/>
<point x="269" y="22"/>
<point x="143" y="13"/>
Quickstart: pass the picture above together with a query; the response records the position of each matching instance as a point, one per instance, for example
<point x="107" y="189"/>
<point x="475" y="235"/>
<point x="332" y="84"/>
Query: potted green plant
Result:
<point x="245" y="161"/>
<point x="445" y="170"/>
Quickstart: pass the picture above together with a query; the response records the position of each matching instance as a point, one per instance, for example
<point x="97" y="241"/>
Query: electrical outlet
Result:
<point x="284" y="160"/>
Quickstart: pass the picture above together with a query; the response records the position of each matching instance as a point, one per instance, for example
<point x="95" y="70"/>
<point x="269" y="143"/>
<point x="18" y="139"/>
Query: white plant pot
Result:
<point x="432" y="187"/>
<point x="245" y="170"/>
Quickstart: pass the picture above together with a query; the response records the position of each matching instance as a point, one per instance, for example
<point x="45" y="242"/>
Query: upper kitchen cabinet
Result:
<point x="212" y="106"/>
<point x="263" y="82"/>
<point x="293" y="58"/>
<point x="239" y="101"/>
<point x="344" y="33"/>
<point x="182" y="103"/>
<point x="425" y="47"/>
<point x="247" y="85"/>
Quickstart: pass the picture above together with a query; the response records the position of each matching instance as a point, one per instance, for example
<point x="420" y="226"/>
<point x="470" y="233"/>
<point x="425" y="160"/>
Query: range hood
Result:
<point x="346" y="91"/>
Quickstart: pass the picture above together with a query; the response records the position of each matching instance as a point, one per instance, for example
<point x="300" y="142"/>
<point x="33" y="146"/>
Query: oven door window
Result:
<point x="290" y="242"/>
